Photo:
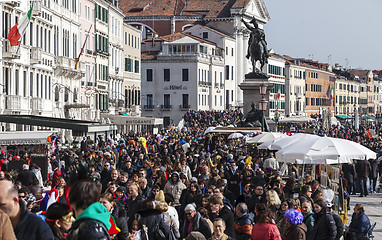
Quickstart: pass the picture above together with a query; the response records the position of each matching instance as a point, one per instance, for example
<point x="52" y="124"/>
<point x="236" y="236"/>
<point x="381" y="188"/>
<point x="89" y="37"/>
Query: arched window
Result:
<point x="56" y="94"/>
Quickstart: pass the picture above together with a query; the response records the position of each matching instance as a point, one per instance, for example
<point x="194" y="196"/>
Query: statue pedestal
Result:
<point x="251" y="94"/>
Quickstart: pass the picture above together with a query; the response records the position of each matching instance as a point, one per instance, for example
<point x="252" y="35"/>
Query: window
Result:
<point x="17" y="82"/>
<point x="25" y="84"/>
<point x="232" y="52"/>
<point x="185" y="75"/>
<point x="149" y="100"/>
<point x="136" y="66"/>
<point x="166" y="75"/>
<point x="166" y="100"/>
<point x="205" y="35"/>
<point x="185" y="100"/>
<point x="226" y="72"/>
<point x="231" y="72"/>
<point x="149" y="75"/>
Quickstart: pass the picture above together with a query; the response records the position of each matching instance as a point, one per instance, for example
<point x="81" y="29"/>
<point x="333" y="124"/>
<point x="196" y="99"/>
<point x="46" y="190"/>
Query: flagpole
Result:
<point x="22" y="35"/>
<point x="83" y="46"/>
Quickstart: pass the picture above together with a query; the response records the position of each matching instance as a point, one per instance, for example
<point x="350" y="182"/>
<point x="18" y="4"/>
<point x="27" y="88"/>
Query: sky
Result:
<point x="348" y="32"/>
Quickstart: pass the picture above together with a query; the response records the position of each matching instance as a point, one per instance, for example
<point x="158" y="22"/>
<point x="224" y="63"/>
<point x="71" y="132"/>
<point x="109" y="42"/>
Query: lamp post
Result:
<point x="263" y="104"/>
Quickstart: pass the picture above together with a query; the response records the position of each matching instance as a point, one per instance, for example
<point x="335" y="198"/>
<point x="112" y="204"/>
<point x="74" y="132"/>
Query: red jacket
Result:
<point x="265" y="231"/>
<point x="56" y="175"/>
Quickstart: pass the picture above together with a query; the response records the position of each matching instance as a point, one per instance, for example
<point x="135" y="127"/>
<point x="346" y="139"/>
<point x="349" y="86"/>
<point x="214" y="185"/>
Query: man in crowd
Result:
<point x="26" y="225"/>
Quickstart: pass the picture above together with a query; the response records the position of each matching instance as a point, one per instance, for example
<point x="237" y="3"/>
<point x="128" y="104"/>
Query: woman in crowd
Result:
<point x="273" y="201"/>
<point x="191" y="195"/>
<point x="286" y="204"/>
<point x="265" y="228"/>
<point x="324" y="226"/>
<point x="137" y="231"/>
<point x="296" y="229"/>
<point x="59" y="218"/>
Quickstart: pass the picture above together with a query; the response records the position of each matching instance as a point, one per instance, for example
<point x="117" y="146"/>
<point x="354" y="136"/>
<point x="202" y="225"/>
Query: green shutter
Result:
<point x="125" y="64"/>
<point x="136" y="66"/>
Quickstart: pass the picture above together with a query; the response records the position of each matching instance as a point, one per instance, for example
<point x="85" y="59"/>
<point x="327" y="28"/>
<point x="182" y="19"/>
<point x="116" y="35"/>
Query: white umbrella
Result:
<point x="324" y="150"/>
<point x="280" y="143"/>
<point x="266" y="136"/>
<point x="209" y="129"/>
<point x="235" y="135"/>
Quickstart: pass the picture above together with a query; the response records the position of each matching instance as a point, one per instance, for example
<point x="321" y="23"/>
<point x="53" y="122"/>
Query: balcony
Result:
<point x="184" y="107"/>
<point x="36" y="11"/>
<point x="36" y="105"/>
<point x="36" y="55"/>
<point x="13" y="102"/>
<point x="64" y="66"/>
<point x="13" y="3"/>
<point x="9" y="51"/>
<point x="166" y="107"/>
<point x="148" y="107"/>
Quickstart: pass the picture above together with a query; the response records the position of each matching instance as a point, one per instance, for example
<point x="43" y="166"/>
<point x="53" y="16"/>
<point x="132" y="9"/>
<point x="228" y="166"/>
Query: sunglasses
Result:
<point x="20" y="196"/>
<point x="189" y="213"/>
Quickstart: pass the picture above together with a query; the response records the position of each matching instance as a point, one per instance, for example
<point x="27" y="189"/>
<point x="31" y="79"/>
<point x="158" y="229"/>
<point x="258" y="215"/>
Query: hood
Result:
<point x="177" y="174"/>
<point x="97" y="212"/>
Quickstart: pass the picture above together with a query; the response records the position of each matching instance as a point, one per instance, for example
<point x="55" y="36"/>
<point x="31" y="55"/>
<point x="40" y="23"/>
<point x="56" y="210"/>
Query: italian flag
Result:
<point x="18" y="30"/>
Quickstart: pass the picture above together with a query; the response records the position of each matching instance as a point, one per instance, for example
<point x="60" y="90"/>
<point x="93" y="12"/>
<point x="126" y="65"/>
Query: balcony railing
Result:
<point x="166" y="107"/>
<point x="36" y="104"/>
<point x="148" y="107"/>
<point x="184" y="107"/>
<point x="13" y="102"/>
<point x="36" y="11"/>
<point x="36" y="55"/>
<point x="10" y="51"/>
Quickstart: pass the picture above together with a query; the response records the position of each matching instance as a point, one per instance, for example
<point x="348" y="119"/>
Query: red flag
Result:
<point x="14" y="35"/>
<point x="369" y="134"/>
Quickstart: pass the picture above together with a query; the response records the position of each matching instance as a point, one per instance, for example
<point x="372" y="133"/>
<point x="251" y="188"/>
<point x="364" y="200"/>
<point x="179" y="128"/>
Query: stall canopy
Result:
<point x="297" y="119"/>
<point x="24" y="138"/>
<point x="229" y="130"/>
<point x="64" y="123"/>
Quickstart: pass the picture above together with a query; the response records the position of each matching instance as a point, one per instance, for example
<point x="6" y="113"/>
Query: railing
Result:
<point x="13" y="102"/>
<point x="166" y="107"/>
<point x="148" y="107"/>
<point x="184" y="107"/>
<point x="10" y="51"/>
<point x="36" y="56"/>
<point x="36" y="11"/>
<point x="36" y="104"/>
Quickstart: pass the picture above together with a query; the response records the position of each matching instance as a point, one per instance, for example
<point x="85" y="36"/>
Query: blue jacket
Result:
<point x="359" y="223"/>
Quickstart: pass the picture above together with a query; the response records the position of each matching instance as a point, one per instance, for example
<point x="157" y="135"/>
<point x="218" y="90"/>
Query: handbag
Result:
<point x="172" y="235"/>
<point x="159" y="235"/>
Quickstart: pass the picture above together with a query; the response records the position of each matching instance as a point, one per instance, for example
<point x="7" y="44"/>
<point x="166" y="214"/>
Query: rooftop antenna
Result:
<point x="329" y="58"/>
<point x="346" y="63"/>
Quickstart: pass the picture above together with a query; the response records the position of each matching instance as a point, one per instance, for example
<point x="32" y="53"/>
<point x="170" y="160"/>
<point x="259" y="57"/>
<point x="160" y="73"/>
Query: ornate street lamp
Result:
<point x="263" y="104"/>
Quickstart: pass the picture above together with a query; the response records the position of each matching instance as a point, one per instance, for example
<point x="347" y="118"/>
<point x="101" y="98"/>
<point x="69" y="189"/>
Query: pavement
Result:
<point x="373" y="209"/>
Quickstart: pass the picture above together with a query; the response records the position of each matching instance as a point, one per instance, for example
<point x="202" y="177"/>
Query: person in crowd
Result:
<point x="316" y="191"/>
<point x="26" y="177"/>
<point x="219" y="210"/>
<point x="56" y="174"/>
<point x="219" y="230"/>
<point x="134" y="200"/>
<point x="118" y="212"/>
<point x="243" y="222"/>
<point x="257" y="197"/>
<point x="60" y="219"/>
<point x="363" y="169"/>
<point x="280" y="216"/>
<point x="175" y="187"/>
<point x="194" y="222"/>
<point x="144" y="188"/>
<point x="204" y="213"/>
<point x="308" y="220"/>
<point x="296" y="228"/>
<point x="273" y="201"/>
<point x="349" y="173"/>
<point x="92" y="218"/>
<point x="373" y="175"/>
<point x="306" y="194"/>
<point x="337" y="220"/>
<point x="191" y="195"/>
<point x="265" y="228"/>
<point x="25" y="224"/>
<point x="359" y="224"/>
<point x="324" y="224"/>
<point x="152" y="219"/>
<point x="137" y="231"/>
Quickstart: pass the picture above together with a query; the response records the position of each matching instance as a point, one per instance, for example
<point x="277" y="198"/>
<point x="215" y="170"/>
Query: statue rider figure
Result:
<point x="257" y="46"/>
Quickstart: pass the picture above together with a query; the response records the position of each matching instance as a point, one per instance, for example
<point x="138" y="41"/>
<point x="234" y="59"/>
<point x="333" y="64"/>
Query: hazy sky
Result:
<point x="348" y="30"/>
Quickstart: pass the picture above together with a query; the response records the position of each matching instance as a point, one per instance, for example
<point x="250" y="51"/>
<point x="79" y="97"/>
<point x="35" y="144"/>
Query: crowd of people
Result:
<point x="178" y="184"/>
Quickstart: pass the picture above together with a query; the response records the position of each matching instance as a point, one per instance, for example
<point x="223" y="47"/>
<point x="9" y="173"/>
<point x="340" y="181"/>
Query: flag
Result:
<point x="332" y="94"/>
<point x="18" y="30"/>
<point x="328" y="93"/>
<point x="369" y="134"/>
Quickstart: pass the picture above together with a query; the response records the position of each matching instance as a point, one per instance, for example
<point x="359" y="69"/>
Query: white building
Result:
<point x="294" y="88"/>
<point x="178" y="72"/>
<point x="132" y="69"/>
<point x="115" y="78"/>
<point x="227" y="44"/>
<point x="276" y="72"/>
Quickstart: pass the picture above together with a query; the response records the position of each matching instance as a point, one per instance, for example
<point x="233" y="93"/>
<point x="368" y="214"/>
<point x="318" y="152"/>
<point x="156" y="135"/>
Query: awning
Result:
<point x="63" y="123"/>
<point x="125" y="114"/>
<point x="229" y="130"/>
<point x="344" y="117"/>
<point x="24" y="138"/>
<point x="128" y="120"/>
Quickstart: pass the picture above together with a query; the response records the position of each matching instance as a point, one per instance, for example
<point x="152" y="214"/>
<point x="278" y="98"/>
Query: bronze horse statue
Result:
<point x="257" y="46"/>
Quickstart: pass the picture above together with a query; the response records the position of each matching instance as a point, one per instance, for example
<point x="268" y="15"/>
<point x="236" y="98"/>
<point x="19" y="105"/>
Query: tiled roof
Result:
<point x="203" y="8"/>
<point x="359" y="73"/>
<point x="149" y="55"/>
<point x="176" y="36"/>
<point x="218" y="32"/>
